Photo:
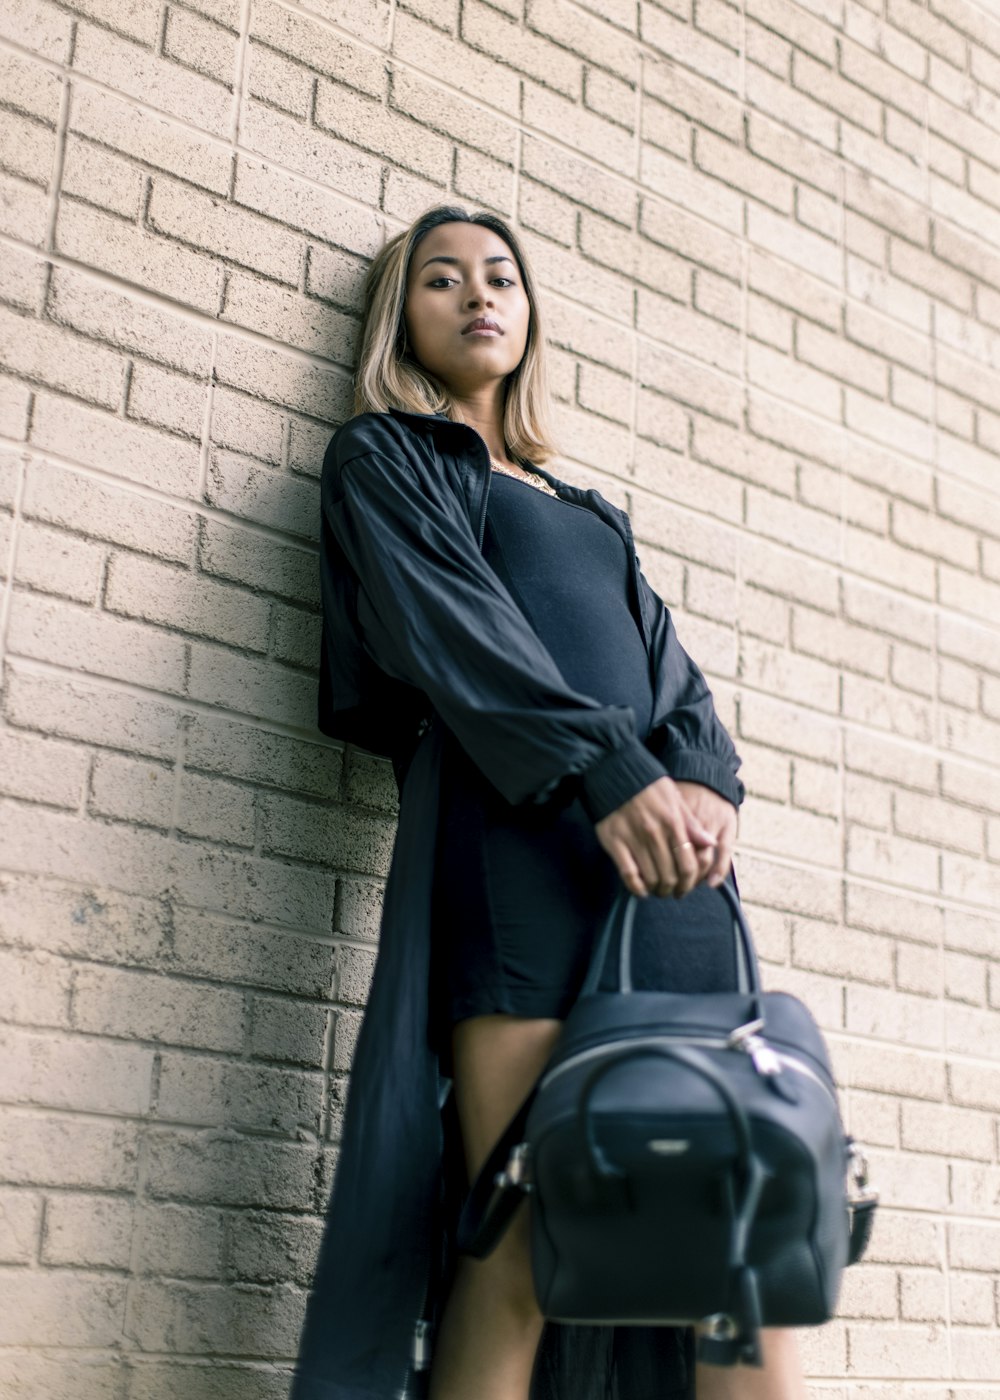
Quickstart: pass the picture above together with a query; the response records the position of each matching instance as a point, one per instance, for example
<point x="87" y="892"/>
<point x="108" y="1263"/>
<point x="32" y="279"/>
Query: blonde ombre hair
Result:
<point x="388" y="374"/>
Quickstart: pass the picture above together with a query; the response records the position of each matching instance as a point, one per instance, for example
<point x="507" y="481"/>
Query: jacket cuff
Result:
<point x="616" y="777"/>
<point x="695" y="766"/>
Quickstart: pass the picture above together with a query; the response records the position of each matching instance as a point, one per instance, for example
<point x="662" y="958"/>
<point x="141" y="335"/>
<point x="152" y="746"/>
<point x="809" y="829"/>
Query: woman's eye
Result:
<point x="440" y="281"/>
<point x="507" y="281"/>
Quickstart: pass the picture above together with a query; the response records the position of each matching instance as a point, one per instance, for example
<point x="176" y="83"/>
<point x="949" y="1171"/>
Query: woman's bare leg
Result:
<point x="780" y="1377"/>
<point x="491" y="1325"/>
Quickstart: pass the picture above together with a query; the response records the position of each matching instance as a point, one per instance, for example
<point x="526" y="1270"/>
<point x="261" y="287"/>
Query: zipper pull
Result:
<point x="765" y="1060"/>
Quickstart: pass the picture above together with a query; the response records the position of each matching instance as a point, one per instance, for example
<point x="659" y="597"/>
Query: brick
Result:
<point x="974" y="1086"/>
<point x="115" y="446"/>
<point x="965" y="978"/>
<point x="42" y="770"/>
<point x="311" y="152"/>
<point x="20" y="1226"/>
<point x="100" y="178"/>
<point x="873" y="1118"/>
<point x="338" y="837"/>
<point x="970" y="1298"/>
<point x="86" y="710"/>
<point x="103" y="116"/>
<point x="254" y="429"/>
<point x="526" y="52"/>
<point x="251" y="686"/>
<point x="844" y="953"/>
<point x="66" y="1151"/>
<point x="136" y="1005"/>
<point x="675" y="477"/>
<point x="29" y="147"/>
<point x="920" y="970"/>
<point x="107" y="512"/>
<point x="267" y="497"/>
<point x="54" y="562"/>
<point x="201" y="46"/>
<point x="228" y="1169"/>
<point x="225" y="230"/>
<point x="37" y="350"/>
<point x="288" y="1031"/>
<point x="49" y="1307"/>
<point x="180" y="1241"/>
<point x="869" y="1291"/>
<point x="970" y="1030"/>
<point x="686" y="45"/>
<point x="34" y="988"/>
<point x="43" y="843"/>
<point x="100" y="240"/>
<point x="269" y="1248"/>
<point x="206" y="1318"/>
<point x="906" y="1238"/>
<point x="87" y="1231"/>
<point x="22" y="288"/>
<point x="140" y="74"/>
<point x="800" y="679"/>
<point x="162" y="399"/>
<point x="941" y="1129"/>
<point x="359" y="909"/>
<point x="219" y="745"/>
<point x="83" y="640"/>
<point x="911" y="1183"/>
<point x="276" y="311"/>
<point x="881" y="706"/>
<point x="974" y="1247"/>
<point x="889" y="1014"/>
<point x="791" y="831"/>
<point x="23" y="210"/>
<point x="199" y="1089"/>
<point x="39" y="27"/>
<point x="380" y="130"/>
<point x="176" y="598"/>
<point x="971" y="932"/>
<point x="76" y="1073"/>
<point x="215" y="1380"/>
<point x="974" y="1187"/>
<point x="246" y="955"/>
<point x="347" y="1025"/>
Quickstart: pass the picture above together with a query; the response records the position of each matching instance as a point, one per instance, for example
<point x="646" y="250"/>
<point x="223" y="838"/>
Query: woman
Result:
<point x="487" y="626"/>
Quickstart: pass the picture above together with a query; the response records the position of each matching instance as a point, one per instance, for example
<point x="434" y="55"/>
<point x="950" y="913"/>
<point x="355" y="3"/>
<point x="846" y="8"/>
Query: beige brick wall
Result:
<point x="768" y="235"/>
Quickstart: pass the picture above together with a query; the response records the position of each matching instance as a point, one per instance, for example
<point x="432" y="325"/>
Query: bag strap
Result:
<point x="498" y="1190"/>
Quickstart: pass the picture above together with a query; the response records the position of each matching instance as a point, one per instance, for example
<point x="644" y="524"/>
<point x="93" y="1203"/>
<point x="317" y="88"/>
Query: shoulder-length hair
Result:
<point x="388" y="374"/>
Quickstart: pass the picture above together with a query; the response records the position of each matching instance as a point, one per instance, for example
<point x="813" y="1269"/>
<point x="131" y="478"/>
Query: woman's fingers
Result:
<point x="657" y="843"/>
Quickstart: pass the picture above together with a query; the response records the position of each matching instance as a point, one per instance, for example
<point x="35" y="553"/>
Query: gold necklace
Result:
<point x="539" y="483"/>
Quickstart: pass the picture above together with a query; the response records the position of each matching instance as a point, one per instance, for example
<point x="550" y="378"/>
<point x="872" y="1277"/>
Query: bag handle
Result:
<point x="625" y="900"/>
<point x="749" y="1171"/>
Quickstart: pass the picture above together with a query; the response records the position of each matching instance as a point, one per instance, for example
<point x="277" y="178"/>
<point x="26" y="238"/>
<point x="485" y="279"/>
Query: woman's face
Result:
<point x="459" y="275"/>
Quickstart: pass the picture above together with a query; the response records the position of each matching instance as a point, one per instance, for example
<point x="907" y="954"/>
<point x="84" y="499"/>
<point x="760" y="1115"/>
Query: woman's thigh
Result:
<point x="497" y="1060"/>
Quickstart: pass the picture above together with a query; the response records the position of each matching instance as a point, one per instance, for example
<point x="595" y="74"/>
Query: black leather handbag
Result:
<point x="685" y="1160"/>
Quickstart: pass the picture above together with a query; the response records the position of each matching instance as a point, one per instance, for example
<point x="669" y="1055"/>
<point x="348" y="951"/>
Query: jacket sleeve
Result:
<point x="434" y="614"/>
<point x="687" y="735"/>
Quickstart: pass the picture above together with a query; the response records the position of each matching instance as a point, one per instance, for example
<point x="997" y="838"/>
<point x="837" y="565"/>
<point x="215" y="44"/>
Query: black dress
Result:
<point x="521" y="890"/>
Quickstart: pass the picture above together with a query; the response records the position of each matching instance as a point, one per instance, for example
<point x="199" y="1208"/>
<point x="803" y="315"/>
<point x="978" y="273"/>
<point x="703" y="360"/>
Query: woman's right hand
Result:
<point x="658" y="844"/>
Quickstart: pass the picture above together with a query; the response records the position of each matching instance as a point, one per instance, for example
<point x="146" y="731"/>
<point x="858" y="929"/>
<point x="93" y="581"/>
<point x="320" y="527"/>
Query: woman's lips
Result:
<point x="482" y="330"/>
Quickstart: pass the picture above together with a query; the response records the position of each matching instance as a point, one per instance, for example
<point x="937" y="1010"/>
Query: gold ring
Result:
<point x="682" y="845"/>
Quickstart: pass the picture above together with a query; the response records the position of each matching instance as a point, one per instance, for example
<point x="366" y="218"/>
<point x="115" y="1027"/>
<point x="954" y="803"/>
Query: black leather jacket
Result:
<point x="415" y="621"/>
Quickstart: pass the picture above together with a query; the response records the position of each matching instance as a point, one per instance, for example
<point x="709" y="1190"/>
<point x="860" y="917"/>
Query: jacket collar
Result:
<point x="437" y="420"/>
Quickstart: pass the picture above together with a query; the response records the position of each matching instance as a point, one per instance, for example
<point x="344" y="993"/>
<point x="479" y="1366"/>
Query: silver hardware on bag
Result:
<point x="669" y="1147"/>
<point x="516" y="1174"/>
<point x="720" y="1327"/>
<point x="858" y="1189"/>
<point x="421" y="1352"/>
<point x="765" y="1059"/>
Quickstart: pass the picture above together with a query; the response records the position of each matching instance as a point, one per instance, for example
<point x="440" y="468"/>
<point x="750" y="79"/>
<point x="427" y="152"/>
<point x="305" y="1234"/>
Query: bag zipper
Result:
<point x="766" y="1060"/>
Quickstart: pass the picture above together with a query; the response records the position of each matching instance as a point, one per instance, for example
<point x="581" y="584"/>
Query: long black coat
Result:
<point x="418" y="626"/>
